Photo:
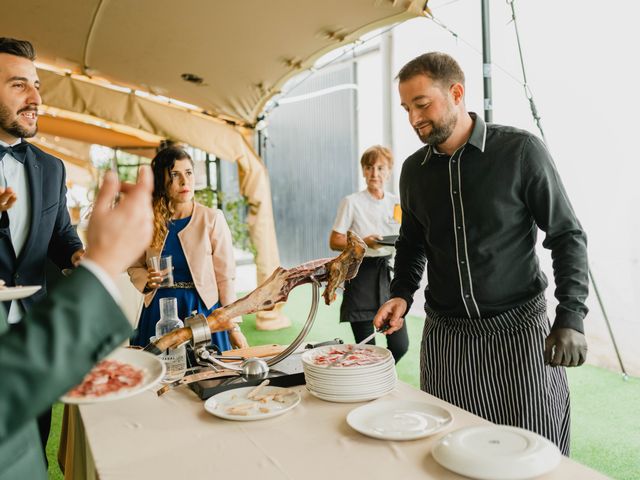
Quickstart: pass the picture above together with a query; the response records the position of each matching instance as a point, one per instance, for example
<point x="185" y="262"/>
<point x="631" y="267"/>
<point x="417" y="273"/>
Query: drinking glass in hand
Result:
<point x="164" y="266"/>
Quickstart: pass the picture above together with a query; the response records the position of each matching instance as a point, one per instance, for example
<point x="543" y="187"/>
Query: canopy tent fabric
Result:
<point x="234" y="55"/>
<point x="222" y="60"/>
<point x="76" y="167"/>
<point x="168" y="121"/>
<point x="90" y="130"/>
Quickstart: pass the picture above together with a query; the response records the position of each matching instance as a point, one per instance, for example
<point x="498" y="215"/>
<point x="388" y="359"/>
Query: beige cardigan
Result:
<point x="207" y="246"/>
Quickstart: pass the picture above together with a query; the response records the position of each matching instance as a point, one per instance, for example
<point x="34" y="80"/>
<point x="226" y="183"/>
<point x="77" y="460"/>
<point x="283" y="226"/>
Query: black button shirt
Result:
<point x="473" y="218"/>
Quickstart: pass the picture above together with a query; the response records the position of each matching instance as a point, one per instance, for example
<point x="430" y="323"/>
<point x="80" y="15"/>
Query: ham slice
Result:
<point x="109" y="376"/>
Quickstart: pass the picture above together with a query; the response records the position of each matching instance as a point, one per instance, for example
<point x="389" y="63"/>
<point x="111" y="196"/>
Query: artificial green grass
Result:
<point x="605" y="410"/>
<point x="605" y="421"/>
<point x="54" y="442"/>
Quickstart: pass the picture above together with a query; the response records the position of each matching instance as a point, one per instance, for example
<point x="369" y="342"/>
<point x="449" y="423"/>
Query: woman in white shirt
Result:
<point x="370" y="214"/>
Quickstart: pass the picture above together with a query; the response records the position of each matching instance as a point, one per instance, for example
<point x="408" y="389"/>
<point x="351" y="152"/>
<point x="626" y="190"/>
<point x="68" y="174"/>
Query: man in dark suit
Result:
<point x="34" y="221"/>
<point x="74" y="327"/>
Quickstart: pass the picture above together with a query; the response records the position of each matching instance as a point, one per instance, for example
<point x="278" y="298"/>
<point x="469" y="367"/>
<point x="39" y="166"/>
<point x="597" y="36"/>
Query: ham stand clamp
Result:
<point x="252" y="371"/>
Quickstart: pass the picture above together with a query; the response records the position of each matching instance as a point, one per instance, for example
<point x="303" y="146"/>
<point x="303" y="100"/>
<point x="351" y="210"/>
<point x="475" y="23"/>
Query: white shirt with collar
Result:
<point x="15" y="174"/>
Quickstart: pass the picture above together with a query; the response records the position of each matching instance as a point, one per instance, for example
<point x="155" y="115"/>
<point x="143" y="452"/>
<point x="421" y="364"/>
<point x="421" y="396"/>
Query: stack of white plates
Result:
<point x="365" y="373"/>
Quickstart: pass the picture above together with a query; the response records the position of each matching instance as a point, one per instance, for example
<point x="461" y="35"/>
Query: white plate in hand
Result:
<point x="388" y="240"/>
<point x="152" y="367"/>
<point x="496" y="452"/>
<point x="220" y="404"/>
<point x="15" y="293"/>
<point x="399" y="419"/>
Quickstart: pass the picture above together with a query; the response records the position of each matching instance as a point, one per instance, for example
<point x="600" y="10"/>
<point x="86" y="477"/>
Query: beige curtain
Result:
<point x="226" y="141"/>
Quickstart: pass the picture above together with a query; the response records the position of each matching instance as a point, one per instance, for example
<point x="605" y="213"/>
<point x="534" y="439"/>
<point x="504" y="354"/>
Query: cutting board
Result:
<point x="258" y="351"/>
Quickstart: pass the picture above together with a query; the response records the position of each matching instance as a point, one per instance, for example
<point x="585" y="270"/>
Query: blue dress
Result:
<point x="187" y="298"/>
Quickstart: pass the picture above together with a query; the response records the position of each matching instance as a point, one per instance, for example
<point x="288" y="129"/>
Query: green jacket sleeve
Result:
<point x="55" y="345"/>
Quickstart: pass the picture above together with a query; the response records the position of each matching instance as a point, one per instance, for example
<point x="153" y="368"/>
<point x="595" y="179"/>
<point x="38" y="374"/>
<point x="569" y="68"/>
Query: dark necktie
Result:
<point x="19" y="151"/>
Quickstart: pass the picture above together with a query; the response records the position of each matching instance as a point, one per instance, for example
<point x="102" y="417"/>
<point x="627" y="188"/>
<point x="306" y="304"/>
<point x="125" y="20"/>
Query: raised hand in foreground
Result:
<point x="117" y="236"/>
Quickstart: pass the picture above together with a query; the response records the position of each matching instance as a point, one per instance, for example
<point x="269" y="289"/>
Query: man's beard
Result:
<point x="14" y="128"/>
<point x="440" y="131"/>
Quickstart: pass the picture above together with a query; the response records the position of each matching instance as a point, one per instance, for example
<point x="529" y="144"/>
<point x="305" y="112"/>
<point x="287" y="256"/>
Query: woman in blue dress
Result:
<point x="199" y="242"/>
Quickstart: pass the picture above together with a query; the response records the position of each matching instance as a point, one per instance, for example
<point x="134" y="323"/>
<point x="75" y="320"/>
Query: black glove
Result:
<point x="565" y="347"/>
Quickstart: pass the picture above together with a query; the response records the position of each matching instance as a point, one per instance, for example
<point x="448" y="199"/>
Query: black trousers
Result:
<point x="362" y="297"/>
<point x="397" y="342"/>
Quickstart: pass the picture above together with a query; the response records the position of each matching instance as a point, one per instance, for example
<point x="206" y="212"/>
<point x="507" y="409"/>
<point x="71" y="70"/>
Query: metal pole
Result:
<point x="207" y="166"/>
<point x="536" y="117"/>
<point x="606" y="320"/>
<point x="486" y="62"/>
<point x="218" y="182"/>
<point x="386" y="54"/>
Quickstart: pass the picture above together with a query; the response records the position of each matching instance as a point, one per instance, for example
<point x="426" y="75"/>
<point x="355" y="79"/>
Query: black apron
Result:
<point x="365" y="293"/>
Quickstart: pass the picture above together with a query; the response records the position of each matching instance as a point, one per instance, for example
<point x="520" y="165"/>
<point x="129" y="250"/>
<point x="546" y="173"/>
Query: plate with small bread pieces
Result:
<point x="252" y="403"/>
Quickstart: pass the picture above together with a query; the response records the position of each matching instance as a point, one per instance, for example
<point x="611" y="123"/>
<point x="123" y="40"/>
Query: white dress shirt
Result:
<point x="15" y="174"/>
<point x="366" y="215"/>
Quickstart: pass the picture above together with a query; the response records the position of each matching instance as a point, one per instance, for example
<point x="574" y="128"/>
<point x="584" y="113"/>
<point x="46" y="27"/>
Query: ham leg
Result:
<point x="276" y="289"/>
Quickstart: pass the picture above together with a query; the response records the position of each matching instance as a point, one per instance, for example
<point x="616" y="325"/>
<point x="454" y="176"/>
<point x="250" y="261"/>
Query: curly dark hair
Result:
<point x="161" y="165"/>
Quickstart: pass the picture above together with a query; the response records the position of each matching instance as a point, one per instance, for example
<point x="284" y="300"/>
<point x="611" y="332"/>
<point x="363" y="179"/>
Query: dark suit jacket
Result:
<point x="46" y="354"/>
<point x="50" y="231"/>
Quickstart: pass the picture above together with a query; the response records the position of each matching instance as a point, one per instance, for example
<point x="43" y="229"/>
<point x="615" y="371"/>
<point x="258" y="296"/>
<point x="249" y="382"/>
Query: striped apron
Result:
<point x="494" y="368"/>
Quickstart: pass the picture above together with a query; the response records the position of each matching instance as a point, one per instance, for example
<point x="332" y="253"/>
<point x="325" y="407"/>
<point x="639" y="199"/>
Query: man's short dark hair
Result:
<point x="438" y="66"/>
<point x="19" y="48"/>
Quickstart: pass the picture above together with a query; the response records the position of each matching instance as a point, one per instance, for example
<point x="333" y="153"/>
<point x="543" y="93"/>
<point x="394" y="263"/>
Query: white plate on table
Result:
<point x="153" y="371"/>
<point x="399" y="419"/>
<point x="218" y="404"/>
<point x="496" y="452"/>
<point x="15" y="293"/>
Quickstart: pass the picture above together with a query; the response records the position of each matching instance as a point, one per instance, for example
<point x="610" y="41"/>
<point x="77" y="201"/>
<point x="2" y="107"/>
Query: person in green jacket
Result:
<point x="78" y="324"/>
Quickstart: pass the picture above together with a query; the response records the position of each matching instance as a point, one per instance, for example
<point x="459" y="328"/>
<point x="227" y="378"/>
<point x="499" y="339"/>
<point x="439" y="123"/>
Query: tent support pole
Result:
<point x="486" y="62"/>
<point x="606" y="320"/>
<point x="536" y="117"/>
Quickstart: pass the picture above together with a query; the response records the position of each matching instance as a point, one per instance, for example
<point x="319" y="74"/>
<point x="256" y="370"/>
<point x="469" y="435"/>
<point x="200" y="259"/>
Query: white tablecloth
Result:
<point x="174" y="437"/>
